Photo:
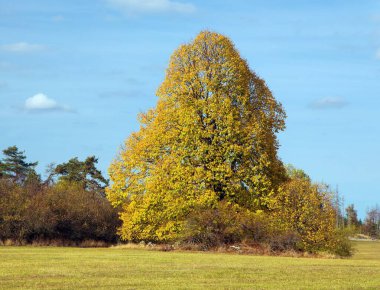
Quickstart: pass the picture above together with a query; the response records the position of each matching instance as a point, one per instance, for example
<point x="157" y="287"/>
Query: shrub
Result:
<point x="302" y="218"/>
<point x="13" y="206"/>
<point x="62" y="212"/>
<point x="213" y="227"/>
<point x="262" y="228"/>
<point x="307" y="210"/>
<point x="67" y="211"/>
<point x="339" y="243"/>
<point x="227" y="224"/>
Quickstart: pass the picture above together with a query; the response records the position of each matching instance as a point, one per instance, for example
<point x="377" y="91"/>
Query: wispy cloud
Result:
<point x="42" y="103"/>
<point x="151" y="6"/>
<point x="329" y="103"/>
<point x="22" y="47"/>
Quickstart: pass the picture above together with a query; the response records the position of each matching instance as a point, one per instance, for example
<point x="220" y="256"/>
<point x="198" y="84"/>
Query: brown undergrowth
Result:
<point x="239" y="249"/>
<point x="56" y="243"/>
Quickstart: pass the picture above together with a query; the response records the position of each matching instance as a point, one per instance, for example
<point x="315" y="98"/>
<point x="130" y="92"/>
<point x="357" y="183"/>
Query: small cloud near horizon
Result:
<point x="151" y="6"/>
<point x="329" y="103"/>
<point x="42" y="103"/>
<point x="22" y="47"/>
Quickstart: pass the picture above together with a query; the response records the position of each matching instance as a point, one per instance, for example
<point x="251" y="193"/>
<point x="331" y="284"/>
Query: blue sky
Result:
<point x="74" y="75"/>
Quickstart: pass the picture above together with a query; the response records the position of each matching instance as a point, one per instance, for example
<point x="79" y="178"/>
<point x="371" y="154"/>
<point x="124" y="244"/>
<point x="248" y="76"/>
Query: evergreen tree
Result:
<point x="84" y="173"/>
<point x="14" y="167"/>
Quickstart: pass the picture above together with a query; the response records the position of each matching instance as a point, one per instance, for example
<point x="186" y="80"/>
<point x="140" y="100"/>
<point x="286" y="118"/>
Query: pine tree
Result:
<point x="83" y="173"/>
<point x="14" y="167"/>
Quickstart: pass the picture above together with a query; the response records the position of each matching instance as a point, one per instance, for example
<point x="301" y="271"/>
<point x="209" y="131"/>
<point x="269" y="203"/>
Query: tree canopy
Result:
<point x="83" y="172"/>
<point x="211" y="138"/>
<point x="14" y="165"/>
<point x="69" y="211"/>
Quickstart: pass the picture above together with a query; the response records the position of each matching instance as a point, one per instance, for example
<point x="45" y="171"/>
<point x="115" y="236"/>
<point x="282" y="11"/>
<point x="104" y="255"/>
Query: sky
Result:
<point x="75" y="74"/>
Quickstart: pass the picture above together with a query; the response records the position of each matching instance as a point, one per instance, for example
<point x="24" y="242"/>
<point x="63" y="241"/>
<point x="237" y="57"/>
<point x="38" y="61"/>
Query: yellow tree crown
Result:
<point x="210" y="138"/>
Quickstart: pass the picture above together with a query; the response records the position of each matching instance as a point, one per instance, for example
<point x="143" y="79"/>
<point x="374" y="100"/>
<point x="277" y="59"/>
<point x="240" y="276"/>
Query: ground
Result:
<point x="113" y="268"/>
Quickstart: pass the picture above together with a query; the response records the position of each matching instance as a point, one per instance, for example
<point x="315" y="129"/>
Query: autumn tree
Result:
<point x="211" y="138"/>
<point x="307" y="209"/>
<point x="296" y="173"/>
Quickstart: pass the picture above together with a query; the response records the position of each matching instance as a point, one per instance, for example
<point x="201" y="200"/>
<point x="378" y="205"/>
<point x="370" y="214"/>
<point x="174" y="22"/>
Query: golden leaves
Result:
<point x="211" y="137"/>
<point x="307" y="209"/>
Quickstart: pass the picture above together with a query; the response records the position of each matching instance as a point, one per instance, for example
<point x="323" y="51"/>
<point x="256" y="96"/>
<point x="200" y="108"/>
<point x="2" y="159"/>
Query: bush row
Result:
<point x="63" y="211"/>
<point x="301" y="218"/>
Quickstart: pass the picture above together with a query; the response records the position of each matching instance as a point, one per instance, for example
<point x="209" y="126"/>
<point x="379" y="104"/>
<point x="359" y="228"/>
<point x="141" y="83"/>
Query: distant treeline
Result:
<point x="370" y="226"/>
<point x="69" y="207"/>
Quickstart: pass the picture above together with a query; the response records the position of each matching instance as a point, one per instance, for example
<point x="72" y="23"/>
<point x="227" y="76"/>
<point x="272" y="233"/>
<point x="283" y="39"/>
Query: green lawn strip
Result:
<point x="112" y="268"/>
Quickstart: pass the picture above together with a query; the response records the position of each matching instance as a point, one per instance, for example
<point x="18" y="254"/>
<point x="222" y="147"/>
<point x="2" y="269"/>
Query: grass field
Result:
<point x="113" y="268"/>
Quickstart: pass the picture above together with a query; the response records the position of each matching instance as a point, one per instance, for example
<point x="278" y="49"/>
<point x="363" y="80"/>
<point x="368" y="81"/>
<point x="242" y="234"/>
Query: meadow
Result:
<point x="122" y="268"/>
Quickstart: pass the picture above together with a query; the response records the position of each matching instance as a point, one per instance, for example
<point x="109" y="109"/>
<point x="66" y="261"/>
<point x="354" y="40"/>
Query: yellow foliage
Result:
<point x="211" y="137"/>
<point x="308" y="210"/>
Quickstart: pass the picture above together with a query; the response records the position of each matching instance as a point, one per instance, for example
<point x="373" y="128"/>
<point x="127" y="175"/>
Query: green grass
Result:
<point x="112" y="268"/>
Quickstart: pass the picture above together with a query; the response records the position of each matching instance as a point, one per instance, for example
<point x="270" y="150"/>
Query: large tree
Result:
<point x="211" y="137"/>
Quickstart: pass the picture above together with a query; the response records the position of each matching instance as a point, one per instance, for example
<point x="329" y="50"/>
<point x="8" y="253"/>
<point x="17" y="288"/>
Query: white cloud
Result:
<point x="151" y="6"/>
<point x="22" y="47"/>
<point x="41" y="102"/>
<point x="329" y="103"/>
